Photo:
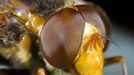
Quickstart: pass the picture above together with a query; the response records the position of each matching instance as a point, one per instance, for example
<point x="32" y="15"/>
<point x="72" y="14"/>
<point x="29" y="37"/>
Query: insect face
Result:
<point x="62" y="35"/>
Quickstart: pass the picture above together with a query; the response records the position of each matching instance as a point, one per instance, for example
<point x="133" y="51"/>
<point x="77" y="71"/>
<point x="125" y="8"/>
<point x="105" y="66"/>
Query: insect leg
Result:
<point x="118" y="60"/>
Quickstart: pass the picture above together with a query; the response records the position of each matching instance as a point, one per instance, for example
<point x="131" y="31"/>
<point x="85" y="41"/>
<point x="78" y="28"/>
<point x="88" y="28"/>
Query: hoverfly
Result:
<point x="72" y="36"/>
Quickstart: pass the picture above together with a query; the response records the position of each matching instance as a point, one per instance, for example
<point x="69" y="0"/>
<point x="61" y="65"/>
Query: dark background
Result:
<point x="121" y="11"/>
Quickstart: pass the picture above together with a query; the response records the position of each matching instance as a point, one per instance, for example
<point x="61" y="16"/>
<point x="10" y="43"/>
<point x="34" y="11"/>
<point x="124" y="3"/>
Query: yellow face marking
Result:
<point x="90" y="60"/>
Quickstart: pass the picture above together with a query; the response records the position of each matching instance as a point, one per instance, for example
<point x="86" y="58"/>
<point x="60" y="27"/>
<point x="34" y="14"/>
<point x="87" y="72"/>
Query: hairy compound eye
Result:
<point x="61" y="37"/>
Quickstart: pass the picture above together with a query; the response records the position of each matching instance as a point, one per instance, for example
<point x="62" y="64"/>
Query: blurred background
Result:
<point x="121" y="13"/>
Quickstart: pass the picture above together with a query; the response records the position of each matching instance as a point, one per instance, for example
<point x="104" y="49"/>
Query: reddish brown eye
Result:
<point x="62" y="35"/>
<point x="97" y="17"/>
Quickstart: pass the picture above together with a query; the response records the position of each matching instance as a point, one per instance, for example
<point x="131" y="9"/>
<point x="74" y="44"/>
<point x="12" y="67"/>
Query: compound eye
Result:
<point x="97" y="17"/>
<point x="61" y="37"/>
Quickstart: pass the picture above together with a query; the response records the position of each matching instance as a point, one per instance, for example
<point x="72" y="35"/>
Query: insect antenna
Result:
<point x="111" y="41"/>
